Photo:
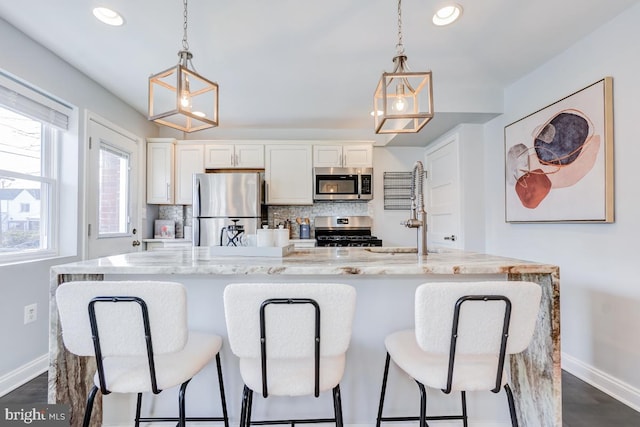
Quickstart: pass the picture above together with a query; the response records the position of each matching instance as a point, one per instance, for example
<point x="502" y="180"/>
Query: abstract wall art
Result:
<point x="559" y="160"/>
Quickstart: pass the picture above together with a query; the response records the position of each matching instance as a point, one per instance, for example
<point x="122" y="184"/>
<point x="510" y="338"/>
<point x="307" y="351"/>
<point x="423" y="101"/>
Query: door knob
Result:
<point x="452" y="238"/>
<point x="135" y="243"/>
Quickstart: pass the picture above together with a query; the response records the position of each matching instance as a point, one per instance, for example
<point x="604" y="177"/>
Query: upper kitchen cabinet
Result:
<point x="170" y="169"/>
<point x="347" y="156"/>
<point x="160" y="185"/>
<point x="189" y="160"/>
<point x="288" y="174"/>
<point x="230" y="156"/>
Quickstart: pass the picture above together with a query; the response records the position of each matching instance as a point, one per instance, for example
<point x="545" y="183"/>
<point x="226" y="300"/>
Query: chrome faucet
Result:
<point x="418" y="214"/>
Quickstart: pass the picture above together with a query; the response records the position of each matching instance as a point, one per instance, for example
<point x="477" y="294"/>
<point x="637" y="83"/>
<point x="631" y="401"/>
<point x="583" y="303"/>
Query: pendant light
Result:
<point x="403" y="100"/>
<point x="181" y="98"/>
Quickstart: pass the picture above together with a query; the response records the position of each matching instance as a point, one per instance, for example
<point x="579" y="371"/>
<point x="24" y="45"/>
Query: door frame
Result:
<point x="140" y="178"/>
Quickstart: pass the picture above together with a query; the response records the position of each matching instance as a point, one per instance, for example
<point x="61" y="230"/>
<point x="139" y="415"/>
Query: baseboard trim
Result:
<point x="604" y="382"/>
<point x="23" y="374"/>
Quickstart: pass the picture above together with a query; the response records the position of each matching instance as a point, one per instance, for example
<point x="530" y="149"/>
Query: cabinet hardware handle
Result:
<point x="452" y="238"/>
<point x="168" y="186"/>
<point x="135" y="243"/>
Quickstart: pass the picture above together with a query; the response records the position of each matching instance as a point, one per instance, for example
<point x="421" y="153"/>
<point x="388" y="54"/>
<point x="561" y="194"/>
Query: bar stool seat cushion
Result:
<point x="293" y="377"/>
<point x="130" y="374"/>
<point x="471" y="371"/>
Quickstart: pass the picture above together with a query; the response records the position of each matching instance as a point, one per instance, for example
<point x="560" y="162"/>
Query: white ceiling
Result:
<point x="304" y="67"/>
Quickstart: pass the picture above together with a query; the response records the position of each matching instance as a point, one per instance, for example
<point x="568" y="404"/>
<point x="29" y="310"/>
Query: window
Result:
<point x="113" y="191"/>
<point x="30" y="134"/>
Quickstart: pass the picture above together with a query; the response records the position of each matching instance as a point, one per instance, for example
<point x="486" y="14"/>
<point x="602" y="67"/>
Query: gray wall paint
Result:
<point x="26" y="283"/>
<point x="600" y="291"/>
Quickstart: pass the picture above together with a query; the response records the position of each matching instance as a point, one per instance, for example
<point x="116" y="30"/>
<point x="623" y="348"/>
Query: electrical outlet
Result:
<point x="30" y="313"/>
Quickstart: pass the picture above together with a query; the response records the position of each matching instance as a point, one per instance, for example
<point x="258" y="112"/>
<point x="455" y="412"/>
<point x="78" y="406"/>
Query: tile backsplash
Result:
<point x="278" y="214"/>
<point x="182" y="215"/>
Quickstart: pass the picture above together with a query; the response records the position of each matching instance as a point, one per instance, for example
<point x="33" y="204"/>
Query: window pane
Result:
<point x="20" y="143"/>
<point x="113" y="209"/>
<point x="22" y="205"/>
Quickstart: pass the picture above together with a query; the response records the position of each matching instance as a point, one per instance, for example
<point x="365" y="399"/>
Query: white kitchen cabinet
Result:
<point x="160" y="185"/>
<point x="288" y="174"/>
<point x="347" y="155"/>
<point x="189" y="159"/>
<point x="226" y="156"/>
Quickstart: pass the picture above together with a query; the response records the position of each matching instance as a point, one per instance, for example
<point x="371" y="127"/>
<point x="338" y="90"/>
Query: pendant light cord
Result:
<point x="400" y="45"/>
<point x="185" y="43"/>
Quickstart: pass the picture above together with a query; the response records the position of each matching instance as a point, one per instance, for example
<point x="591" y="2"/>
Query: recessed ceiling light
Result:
<point x="447" y="14"/>
<point x="108" y="16"/>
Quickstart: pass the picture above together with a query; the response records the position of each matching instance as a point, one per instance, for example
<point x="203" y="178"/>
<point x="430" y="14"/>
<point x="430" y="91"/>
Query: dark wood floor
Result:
<point x="582" y="405"/>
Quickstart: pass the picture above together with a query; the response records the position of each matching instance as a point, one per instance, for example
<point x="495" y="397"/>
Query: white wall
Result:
<point x="600" y="288"/>
<point x="386" y="223"/>
<point x="27" y="283"/>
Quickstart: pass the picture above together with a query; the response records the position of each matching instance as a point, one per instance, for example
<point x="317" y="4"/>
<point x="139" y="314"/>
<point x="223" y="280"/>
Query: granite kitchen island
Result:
<point x="385" y="280"/>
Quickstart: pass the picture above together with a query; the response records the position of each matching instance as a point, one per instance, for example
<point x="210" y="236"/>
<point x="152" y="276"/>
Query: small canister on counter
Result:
<point x="305" y="231"/>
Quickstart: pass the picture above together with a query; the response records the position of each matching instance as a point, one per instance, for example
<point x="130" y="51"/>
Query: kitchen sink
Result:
<point x="400" y="250"/>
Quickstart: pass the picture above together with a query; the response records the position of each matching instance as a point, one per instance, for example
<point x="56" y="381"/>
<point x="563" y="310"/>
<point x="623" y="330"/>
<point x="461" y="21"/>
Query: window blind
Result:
<point x="24" y="99"/>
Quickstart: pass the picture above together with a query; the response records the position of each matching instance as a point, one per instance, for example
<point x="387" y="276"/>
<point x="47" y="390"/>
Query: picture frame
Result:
<point x="559" y="160"/>
<point x="164" y="229"/>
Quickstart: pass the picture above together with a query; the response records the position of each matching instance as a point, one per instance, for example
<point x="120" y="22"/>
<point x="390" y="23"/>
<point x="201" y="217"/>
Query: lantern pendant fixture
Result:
<point x="403" y="100"/>
<point x="181" y="98"/>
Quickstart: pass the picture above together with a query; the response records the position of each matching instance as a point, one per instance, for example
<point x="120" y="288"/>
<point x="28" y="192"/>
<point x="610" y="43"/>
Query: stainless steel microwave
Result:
<point x="343" y="184"/>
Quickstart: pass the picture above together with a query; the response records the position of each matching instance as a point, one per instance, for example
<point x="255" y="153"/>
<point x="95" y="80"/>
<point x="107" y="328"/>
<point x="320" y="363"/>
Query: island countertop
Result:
<point x="385" y="279"/>
<point x="308" y="261"/>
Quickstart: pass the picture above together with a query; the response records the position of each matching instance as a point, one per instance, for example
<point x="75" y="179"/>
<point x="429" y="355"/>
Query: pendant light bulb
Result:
<point x="400" y="104"/>
<point x="185" y="96"/>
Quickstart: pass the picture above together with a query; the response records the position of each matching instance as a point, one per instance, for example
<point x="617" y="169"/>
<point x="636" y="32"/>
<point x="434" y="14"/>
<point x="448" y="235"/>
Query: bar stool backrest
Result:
<point x="294" y="323"/>
<point x="120" y="325"/>
<point x="480" y="322"/>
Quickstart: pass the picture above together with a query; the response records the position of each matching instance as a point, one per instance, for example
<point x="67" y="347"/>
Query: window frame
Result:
<point x="51" y="138"/>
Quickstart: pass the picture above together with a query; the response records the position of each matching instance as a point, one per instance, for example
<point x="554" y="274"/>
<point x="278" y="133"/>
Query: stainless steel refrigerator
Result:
<point x="221" y="198"/>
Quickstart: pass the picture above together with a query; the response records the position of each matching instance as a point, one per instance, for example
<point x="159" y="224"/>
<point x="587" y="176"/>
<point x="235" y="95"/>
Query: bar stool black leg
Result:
<point x="423" y="405"/>
<point x="337" y="405"/>
<point x="383" y="390"/>
<point x="512" y="406"/>
<point x="464" y="408"/>
<point x="138" y="408"/>
<point x="223" y="399"/>
<point x="89" y="408"/>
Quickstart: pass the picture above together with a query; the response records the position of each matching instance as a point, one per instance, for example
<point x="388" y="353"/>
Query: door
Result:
<point x="112" y="191"/>
<point x="443" y="195"/>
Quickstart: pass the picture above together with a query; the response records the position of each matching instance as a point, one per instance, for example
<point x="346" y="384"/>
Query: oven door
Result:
<point x="330" y="185"/>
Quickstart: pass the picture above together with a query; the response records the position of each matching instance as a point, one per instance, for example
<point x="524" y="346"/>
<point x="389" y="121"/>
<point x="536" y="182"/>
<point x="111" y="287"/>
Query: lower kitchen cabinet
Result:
<point x="288" y="174"/>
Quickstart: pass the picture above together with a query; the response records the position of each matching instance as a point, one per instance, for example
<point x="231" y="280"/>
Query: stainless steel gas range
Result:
<point x="345" y="231"/>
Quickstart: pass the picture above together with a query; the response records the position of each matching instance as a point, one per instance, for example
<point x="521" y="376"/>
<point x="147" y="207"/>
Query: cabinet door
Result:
<point x="160" y="173"/>
<point x="218" y="156"/>
<point x="327" y="156"/>
<point x="249" y="156"/>
<point x="189" y="160"/>
<point x="357" y="156"/>
<point x="289" y="174"/>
